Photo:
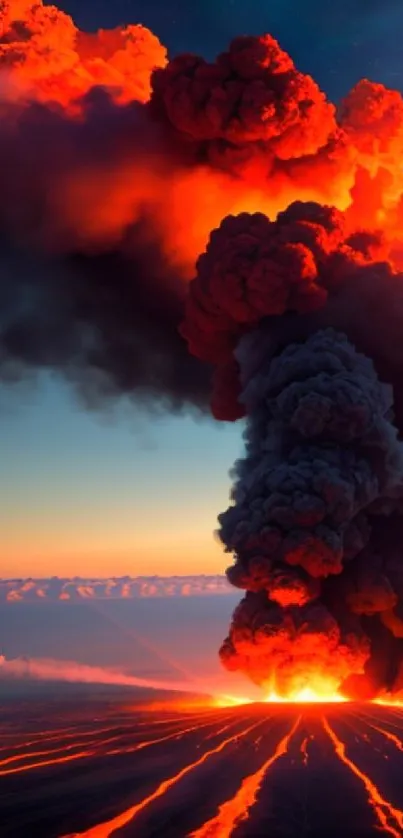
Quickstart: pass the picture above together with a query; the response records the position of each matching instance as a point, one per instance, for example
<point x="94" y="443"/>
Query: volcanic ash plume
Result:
<point x="116" y="164"/>
<point x="86" y="287"/>
<point x="322" y="475"/>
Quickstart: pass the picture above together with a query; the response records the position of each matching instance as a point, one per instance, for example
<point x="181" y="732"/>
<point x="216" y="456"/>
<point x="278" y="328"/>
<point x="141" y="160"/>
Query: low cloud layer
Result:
<point x="126" y="587"/>
<point x="76" y="673"/>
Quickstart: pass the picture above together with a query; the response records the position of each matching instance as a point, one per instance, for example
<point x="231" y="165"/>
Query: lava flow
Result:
<point x="232" y="812"/>
<point x="384" y="811"/>
<point x="104" y="830"/>
<point x="234" y="772"/>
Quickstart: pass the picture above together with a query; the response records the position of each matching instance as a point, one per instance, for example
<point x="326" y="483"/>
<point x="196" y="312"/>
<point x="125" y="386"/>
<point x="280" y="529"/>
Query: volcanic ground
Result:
<point x="103" y="765"/>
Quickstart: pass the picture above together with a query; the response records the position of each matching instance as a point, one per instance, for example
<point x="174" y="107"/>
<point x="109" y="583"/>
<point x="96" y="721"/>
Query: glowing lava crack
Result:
<point x="267" y="768"/>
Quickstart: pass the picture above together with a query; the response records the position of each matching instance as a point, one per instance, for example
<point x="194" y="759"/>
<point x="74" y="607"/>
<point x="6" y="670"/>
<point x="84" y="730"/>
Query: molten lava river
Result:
<point x="228" y="767"/>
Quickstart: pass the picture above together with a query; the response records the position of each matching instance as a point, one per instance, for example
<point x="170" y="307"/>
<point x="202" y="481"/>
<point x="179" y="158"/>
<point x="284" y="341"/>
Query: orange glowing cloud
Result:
<point x="118" y="164"/>
<point x="48" y="59"/>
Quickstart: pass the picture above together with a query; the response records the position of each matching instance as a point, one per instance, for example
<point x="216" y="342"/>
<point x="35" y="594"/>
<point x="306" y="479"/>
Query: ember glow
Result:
<point x="319" y="690"/>
<point x="231" y="701"/>
<point x="306" y="696"/>
<point x="148" y="203"/>
<point x="390" y="701"/>
<point x="324" y="693"/>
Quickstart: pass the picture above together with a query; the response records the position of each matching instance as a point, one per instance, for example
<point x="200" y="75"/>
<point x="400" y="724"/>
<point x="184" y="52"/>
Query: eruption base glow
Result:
<point x="306" y="696"/>
<point x="320" y="690"/>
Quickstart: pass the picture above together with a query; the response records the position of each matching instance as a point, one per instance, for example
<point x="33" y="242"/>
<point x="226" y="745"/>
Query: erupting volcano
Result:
<point x="116" y="165"/>
<point x="315" y="520"/>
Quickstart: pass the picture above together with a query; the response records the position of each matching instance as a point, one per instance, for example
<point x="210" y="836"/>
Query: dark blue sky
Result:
<point x="338" y="41"/>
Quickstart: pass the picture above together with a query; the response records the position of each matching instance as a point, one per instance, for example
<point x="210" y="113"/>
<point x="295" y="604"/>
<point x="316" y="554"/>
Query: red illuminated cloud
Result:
<point x="50" y="59"/>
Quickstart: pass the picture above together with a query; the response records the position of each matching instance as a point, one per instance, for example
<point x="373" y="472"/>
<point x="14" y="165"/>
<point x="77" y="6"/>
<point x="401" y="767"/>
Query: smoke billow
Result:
<point x="116" y="164"/>
<point x="322" y="474"/>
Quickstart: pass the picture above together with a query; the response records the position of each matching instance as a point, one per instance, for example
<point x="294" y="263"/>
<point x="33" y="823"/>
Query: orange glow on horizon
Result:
<point x="38" y="559"/>
<point x="193" y="694"/>
<point x="319" y="690"/>
<point x="231" y="701"/>
<point x="305" y="696"/>
<point x="123" y="545"/>
<point x="389" y="701"/>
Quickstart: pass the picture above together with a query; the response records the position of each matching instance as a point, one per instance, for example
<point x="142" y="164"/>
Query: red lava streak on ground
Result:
<point x="106" y="769"/>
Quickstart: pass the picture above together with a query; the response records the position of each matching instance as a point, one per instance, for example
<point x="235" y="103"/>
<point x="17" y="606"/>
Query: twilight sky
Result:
<point x="84" y="494"/>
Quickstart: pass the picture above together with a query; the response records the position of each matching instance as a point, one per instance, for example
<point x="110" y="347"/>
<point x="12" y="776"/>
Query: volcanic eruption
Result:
<point x="116" y="165"/>
<point x="321" y="482"/>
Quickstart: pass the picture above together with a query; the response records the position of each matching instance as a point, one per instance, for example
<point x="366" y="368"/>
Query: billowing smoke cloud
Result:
<point x="322" y="475"/>
<point x="44" y="56"/>
<point x="87" y="289"/>
<point x="116" y="165"/>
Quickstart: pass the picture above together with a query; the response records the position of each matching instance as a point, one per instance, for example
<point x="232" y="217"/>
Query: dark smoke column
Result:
<point x="321" y="482"/>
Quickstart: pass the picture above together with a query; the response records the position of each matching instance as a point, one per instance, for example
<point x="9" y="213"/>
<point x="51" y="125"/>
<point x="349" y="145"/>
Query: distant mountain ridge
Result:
<point x="126" y="587"/>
